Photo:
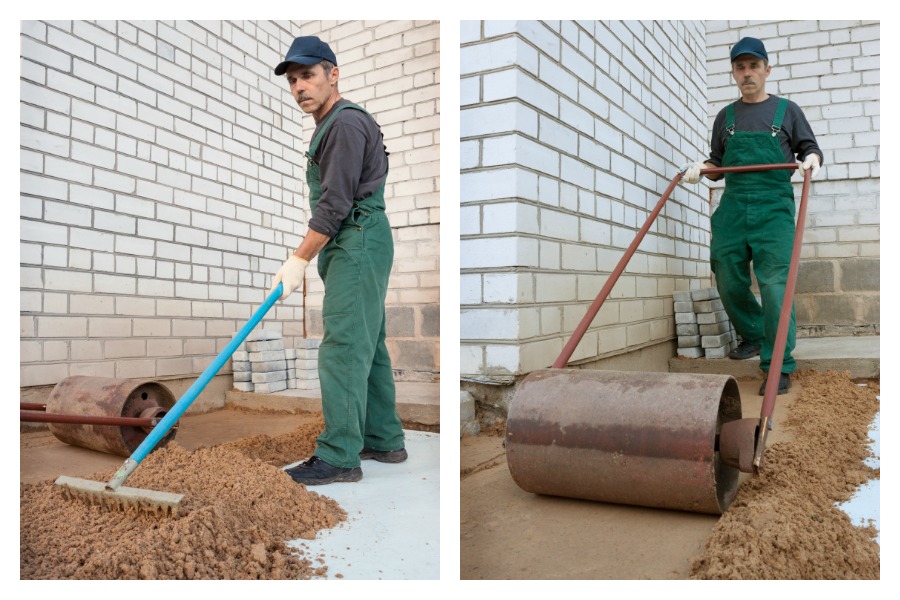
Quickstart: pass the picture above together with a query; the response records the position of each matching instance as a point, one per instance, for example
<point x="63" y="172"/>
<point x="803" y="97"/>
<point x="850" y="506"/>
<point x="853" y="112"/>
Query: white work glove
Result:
<point x="692" y="172"/>
<point x="810" y="162"/>
<point x="290" y="274"/>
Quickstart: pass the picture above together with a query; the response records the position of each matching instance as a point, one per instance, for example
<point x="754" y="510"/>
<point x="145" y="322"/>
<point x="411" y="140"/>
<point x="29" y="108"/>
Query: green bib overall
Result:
<point x="755" y="222"/>
<point x="355" y="374"/>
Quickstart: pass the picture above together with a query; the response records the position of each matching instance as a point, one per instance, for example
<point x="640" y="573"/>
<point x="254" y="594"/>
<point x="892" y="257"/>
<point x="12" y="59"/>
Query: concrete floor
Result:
<point x="860" y="355"/>
<point x="393" y="526"/>
<point x="417" y="401"/>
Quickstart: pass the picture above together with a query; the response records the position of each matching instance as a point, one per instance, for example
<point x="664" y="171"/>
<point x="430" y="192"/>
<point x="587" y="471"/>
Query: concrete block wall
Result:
<point x="831" y="69"/>
<point x="392" y="69"/>
<point x="570" y="133"/>
<point x="161" y="169"/>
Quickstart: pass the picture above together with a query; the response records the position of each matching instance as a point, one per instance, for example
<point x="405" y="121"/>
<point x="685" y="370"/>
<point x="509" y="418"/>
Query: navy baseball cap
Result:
<point x="306" y="50"/>
<point x="749" y="45"/>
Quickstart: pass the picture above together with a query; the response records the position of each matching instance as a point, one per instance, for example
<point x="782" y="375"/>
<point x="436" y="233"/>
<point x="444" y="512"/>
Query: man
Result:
<point x="349" y="231"/>
<point x="755" y="219"/>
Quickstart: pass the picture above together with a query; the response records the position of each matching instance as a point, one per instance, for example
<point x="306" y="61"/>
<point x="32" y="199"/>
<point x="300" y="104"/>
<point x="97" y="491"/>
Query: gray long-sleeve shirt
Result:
<point x="352" y="163"/>
<point x="796" y="136"/>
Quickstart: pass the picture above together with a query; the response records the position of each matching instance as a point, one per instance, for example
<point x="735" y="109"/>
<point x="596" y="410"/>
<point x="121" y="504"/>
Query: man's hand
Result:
<point x="810" y="162"/>
<point x="691" y="172"/>
<point x="290" y="275"/>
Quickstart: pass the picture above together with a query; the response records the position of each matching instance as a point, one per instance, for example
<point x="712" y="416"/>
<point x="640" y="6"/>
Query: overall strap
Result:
<point x="780" y="110"/>
<point x="729" y="118"/>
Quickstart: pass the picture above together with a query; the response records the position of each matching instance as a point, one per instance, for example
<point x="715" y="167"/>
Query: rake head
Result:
<point x="123" y="498"/>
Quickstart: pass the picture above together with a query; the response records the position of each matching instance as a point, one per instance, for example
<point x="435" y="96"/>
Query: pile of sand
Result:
<point x="784" y="524"/>
<point x="239" y="509"/>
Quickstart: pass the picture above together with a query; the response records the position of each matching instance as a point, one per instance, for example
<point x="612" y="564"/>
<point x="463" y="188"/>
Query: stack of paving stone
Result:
<point x="702" y="324"/>
<point x="717" y="335"/>
<point x="240" y="367"/>
<point x="263" y="365"/>
<point x="290" y="359"/>
<point x="686" y="326"/>
<point x="306" y="364"/>
<point x="268" y="365"/>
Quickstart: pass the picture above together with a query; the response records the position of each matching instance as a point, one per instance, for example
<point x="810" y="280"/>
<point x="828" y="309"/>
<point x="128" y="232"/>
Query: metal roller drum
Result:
<point x="645" y="439"/>
<point x="98" y="396"/>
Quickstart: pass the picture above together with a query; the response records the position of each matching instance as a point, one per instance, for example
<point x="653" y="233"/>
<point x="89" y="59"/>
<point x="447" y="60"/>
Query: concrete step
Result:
<point x="860" y="355"/>
<point x="417" y="402"/>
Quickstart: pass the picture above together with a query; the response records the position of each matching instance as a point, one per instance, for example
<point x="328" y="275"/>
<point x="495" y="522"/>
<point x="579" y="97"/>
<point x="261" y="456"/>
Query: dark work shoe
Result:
<point x="744" y="351"/>
<point x="385" y="456"/>
<point x="784" y="384"/>
<point x="316" y="471"/>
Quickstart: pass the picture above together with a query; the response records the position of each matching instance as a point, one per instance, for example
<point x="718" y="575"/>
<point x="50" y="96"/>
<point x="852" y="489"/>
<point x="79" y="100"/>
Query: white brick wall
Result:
<point x="161" y="183"/>
<point x="570" y="133"/>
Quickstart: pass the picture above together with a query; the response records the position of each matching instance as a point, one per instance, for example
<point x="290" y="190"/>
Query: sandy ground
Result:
<point x="238" y="508"/>
<point x="783" y="523"/>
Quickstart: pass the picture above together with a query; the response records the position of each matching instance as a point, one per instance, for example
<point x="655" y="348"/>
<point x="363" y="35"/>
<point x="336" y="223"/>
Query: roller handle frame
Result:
<point x="34" y="416"/>
<point x="784" y="319"/>
<point x="162" y="428"/>
<point x="594" y="308"/>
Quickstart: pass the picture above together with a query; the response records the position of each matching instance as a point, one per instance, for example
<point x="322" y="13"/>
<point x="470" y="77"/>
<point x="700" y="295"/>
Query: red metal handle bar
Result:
<point x="594" y="308"/>
<point x="45" y="417"/>
<point x="749" y="168"/>
<point x="32" y="406"/>
<point x="784" y="319"/>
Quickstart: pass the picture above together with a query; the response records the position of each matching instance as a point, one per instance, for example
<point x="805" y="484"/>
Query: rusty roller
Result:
<point x="110" y="398"/>
<point x="660" y="440"/>
<point x="646" y="439"/>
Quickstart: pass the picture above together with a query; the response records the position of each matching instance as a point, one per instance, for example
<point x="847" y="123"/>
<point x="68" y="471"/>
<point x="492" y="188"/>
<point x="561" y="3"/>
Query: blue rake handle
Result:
<point x="162" y="428"/>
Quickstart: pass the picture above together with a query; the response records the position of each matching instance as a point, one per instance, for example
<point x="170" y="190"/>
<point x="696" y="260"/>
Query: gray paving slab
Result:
<point x="860" y="355"/>
<point x="417" y="402"/>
